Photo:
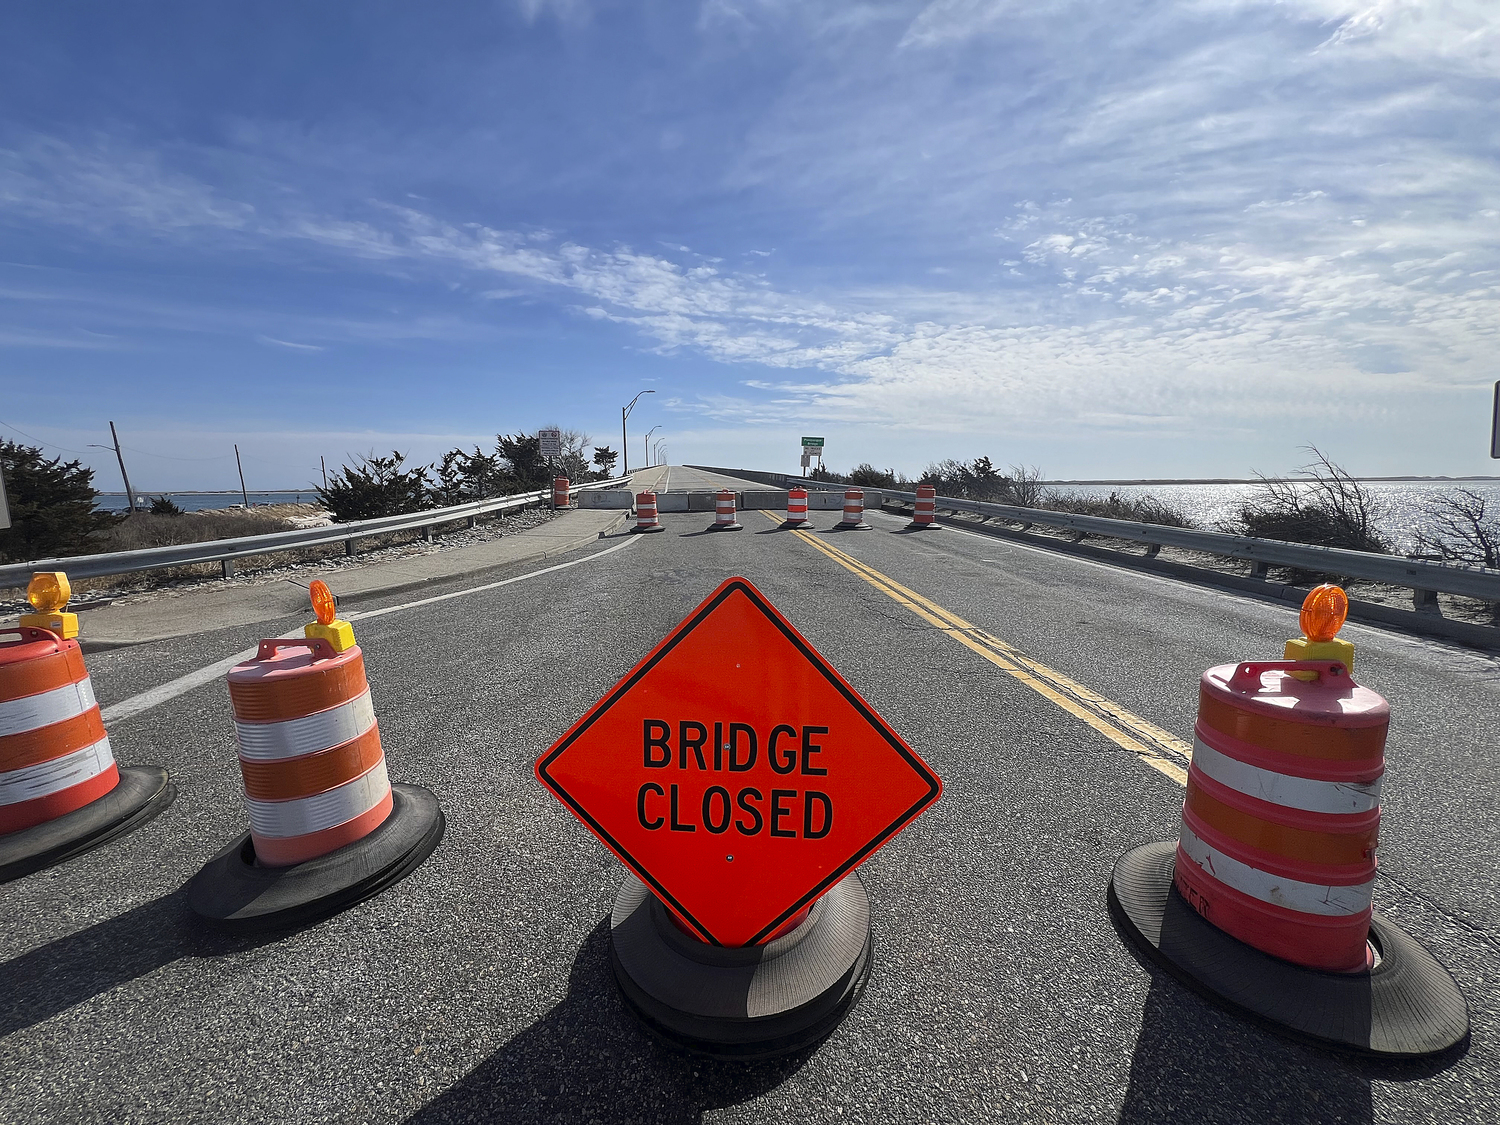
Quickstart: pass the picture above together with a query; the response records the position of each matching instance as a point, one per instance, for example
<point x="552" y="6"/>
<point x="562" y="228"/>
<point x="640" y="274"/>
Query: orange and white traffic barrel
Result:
<point x="796" y="507"/>
<point x="726" y="503"/>
<point x="854" y="512"/>
<point x="326" y="825"/>
<point x="645" y="513"/>
<point x="310" y="755"/>
<point x="1283" y="808"/>
<point x="61" y="791"/>
<point x="924" y="511"/>
<point x="1264" y="900"/>
<point x="560" y="486"/>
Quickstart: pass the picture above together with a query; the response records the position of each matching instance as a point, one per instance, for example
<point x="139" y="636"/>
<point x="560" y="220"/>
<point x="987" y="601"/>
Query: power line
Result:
<point x="50" y="445"/>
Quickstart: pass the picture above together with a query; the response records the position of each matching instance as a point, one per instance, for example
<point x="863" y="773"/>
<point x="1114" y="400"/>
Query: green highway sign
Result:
<point x="812" y="443"/>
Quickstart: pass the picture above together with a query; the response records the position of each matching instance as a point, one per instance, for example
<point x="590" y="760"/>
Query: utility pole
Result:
<point x="322" y="461"/>
<point x="241" y="468"/>
<point x="120" y="457"/>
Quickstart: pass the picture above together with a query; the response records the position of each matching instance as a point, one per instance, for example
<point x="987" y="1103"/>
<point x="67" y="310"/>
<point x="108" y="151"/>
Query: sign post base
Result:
<point x="746" y="1002"/>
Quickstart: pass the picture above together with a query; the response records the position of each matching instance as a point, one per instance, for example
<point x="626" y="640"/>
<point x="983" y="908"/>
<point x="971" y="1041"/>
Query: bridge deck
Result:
<point x="479" y="988"/>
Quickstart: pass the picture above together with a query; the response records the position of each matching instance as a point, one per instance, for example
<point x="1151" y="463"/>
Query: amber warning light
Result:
<point x="339" y="634"/>
<point x="48" y="592"/>
<point x="1323" y="614"/>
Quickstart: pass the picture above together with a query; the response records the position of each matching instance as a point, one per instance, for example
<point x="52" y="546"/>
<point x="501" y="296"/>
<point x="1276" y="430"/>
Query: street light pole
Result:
<point x="645" y="446"/>
<point x="624" y="438"/>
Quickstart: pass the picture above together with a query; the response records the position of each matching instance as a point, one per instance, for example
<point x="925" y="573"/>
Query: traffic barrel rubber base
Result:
<point x="915" y="526"/>
<point x="726" y="527"/>
<point x="638" y="530"/>
<point x="852" y="527"/>
<point x="742" y="1004"/>
<point x="231" y="891"/>
<point x="143" y="791"/>
<point x="1406" y="1006"/>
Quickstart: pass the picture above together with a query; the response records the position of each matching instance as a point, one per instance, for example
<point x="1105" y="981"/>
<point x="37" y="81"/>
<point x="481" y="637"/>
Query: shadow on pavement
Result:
<point x="1197" y="1063"/>
<point x="70" y="970"/>
<point x="588" y="1060"/>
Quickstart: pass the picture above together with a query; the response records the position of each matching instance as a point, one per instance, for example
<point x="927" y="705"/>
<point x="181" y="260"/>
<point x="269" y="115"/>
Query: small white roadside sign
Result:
<point x="550" y="442"/>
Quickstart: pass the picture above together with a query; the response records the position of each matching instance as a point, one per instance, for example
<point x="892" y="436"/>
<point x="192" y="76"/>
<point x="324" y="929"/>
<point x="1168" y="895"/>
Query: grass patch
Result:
<point x="146" y="529"/>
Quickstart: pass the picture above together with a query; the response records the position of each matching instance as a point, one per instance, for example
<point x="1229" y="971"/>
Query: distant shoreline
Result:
<point x="1258" y="480"/>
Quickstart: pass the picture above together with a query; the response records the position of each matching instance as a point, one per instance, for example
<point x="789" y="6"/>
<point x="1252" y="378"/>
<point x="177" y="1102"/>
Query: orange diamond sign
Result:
<point x="735" y="772"/>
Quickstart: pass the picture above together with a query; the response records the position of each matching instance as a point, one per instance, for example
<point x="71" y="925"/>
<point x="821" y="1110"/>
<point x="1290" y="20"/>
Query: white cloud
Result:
<point x="1139" y="330"/>
<point x="289" y="344"/>
<point x="105" y="186"/>
<point x="564" y="11"/>
<point x="1194" y="216"/>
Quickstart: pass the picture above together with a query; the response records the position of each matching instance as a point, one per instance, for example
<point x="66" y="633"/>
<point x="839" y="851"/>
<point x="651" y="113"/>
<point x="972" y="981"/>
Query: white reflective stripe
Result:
<point x="46" y="778"/>
<point x="324" y="810"/>
<point x="1284" y="789"/>
<point x="291" y="738"/>
<point x="46" y="708"/>
<point x="1278" y="890"/>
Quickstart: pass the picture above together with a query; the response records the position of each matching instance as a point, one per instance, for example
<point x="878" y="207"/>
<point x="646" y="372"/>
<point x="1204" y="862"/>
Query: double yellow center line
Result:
<point x="1154" y="746"/>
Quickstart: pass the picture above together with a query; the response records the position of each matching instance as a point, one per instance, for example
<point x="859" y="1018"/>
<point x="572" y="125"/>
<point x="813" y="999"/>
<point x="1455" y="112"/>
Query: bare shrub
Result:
<point x="1024" y="486"/>
<point x="1322" y="505"/>
<point x="1142" y="509"/>
<point x="1461" y="528"/>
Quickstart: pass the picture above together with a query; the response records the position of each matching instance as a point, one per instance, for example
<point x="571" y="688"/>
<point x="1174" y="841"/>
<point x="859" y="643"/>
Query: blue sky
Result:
<point x="1110" y="239"/>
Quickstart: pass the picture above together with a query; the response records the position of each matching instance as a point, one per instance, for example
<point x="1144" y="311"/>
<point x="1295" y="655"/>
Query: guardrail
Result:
<point x="1424" y="577"/>
<point x="226" y="551"/>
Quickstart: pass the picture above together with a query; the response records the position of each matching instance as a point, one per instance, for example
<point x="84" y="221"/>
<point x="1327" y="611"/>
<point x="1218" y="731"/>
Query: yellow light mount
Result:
<point x="328" y="627"/>
<point x="48" y="592"/>
<point x="1324" y="611"/>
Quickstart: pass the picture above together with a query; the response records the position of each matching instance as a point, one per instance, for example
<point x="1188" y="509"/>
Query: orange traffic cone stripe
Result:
<point x="1339" y="743"/>
<point x="42" y="673"/>
<point x="260" y="700"/>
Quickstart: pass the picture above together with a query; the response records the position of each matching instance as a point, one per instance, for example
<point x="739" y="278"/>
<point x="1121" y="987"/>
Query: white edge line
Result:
<point x="146" y="700"/>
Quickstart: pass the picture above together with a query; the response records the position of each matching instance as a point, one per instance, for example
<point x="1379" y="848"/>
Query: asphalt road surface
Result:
<point x="479" y="988"/>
